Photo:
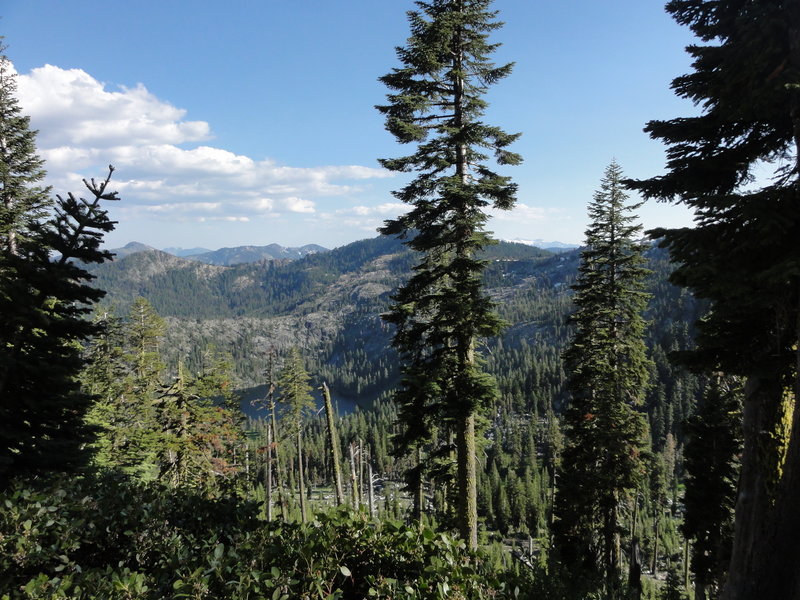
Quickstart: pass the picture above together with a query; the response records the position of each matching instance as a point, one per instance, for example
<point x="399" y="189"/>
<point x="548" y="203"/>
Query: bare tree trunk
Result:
<point x="610" y="546"/>
<point x="360" y="471"/>
<point x="278" y="470"/>
<point x="370" y="493"/>
<point x="333" y="440"/>
<point x="353" y="477"/>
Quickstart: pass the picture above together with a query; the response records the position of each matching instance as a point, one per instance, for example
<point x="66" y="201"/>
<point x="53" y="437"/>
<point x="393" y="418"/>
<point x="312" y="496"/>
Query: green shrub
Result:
<point x="112" y="539"/>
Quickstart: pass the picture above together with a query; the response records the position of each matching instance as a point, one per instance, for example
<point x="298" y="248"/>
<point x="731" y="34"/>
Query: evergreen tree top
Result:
<point x="23" y="201"/>
<point x="437" y="103"/>
<point x="736" y="166"/>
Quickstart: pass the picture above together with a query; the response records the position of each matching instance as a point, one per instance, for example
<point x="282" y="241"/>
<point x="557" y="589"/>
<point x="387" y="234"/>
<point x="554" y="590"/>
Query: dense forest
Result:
<point x="428" y="413"/>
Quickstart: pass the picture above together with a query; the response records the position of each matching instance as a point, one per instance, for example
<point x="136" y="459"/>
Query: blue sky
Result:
<point x="252" y="121"/>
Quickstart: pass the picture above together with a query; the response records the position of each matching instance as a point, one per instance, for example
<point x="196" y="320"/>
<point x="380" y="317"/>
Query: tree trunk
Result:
<point x="686" y="582"/>
<point x="635" y="572"/>
<point x="635" y="568"/>
<point x="752" y="503"/>
<point x="360" y="472"/>
<point x="278" y="470"/>
<point x="654" y="569"/>
<point x="268" y="473"/>
<point x="777" y="554"/>
<point x="699" y="591"/>
<point x="780" y="554"/>
<point x="353" y="477"/>
<point x="610" y="546"/>
<point x="333" y="440"/>
<point x="467" y="481"/>
<point x="419" y="490"/>
<point x="301" y="486"/>
<point x="370" y="495"/>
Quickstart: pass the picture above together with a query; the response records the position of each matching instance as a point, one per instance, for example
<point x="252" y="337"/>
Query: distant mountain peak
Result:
<point x="130" y="248"/>
<point x="251" y="254"/>
<point x="226" y="256"/>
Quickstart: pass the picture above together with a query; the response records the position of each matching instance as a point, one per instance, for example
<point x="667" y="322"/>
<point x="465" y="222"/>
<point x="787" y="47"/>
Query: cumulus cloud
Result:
<point x="71" y="108"/>
<point x="166" y="166"/>
<point x="523" y="213"/>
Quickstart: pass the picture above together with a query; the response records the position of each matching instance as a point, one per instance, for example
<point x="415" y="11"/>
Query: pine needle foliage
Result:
<point x="436" y="103"/>
<point x="712" y="471"/>
<point x="44" y="301"/>
<point x="735" y="164"/>
<point x="23" y="200"/>
<point x="607" y="378"/>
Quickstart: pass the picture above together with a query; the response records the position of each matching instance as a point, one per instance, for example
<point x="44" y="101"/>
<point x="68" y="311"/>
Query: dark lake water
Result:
<point x="341" y="404"/>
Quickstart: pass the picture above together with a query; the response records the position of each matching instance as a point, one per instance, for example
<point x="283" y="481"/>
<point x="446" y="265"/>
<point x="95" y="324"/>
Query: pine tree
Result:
<point x="441" y="313"/>
<point x="23" y="200"/>
<point x="294" y="392"/>
<point x="145" y="330"/>
<point x="124" y="372"/>
<point x="608" y="373"/>
<point x="743" y="254"/>
<point x="712" y="471"/>
<point x="197" y="438"/>
<point x="44" y="297"/>
<point x="44" y="300"/>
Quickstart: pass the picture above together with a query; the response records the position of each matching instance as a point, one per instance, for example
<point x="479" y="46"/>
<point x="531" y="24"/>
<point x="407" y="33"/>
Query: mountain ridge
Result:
<point x="330" y="304"/>
<point x="235" y="255"/>
<point x="227" y="256"/>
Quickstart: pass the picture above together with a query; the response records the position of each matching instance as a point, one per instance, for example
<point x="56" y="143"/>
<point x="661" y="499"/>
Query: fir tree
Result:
<point x="442" y="312"/>
<point x="712" y="471"/>
<point x="199" y="428"/>
<point x="743" y="253"/>
<point x="124" y="372"/>
<point x="23" y="200"/>
<point x="145" y="330"/>
<point x="44" y="296"/>
<point x="294" y="392"/>
<point x="608" y="373"/>
<point x="44" y="301"/>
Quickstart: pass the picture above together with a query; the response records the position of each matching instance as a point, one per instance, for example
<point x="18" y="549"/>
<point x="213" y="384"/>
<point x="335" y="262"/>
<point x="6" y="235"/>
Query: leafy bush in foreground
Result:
<point x="80" y="540"/>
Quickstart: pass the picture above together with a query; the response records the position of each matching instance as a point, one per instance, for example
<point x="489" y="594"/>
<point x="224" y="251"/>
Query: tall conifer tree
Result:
<point x="743" y="254"/>
<point x="436" y="102"/>
<point x="294" y="392"/>
<point x="44" y="301"/>
<point x="712" y="470"/>
<point x="608" y="373"/>
<point x="22" y="199"/>
<point x="44" y="297"/>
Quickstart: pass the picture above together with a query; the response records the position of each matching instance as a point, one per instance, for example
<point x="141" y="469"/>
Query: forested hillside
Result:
<point x="330" y="305"/>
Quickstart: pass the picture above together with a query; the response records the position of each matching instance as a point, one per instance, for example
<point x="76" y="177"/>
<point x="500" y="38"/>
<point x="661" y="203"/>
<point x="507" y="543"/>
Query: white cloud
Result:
<point x="165" y="168"/>
<point x="298" y="205"/>
<point x="385" y="210"/>
<point x="364" y="218"/>
<point x="523" y="214"/>
<point x="72" y="108"/>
